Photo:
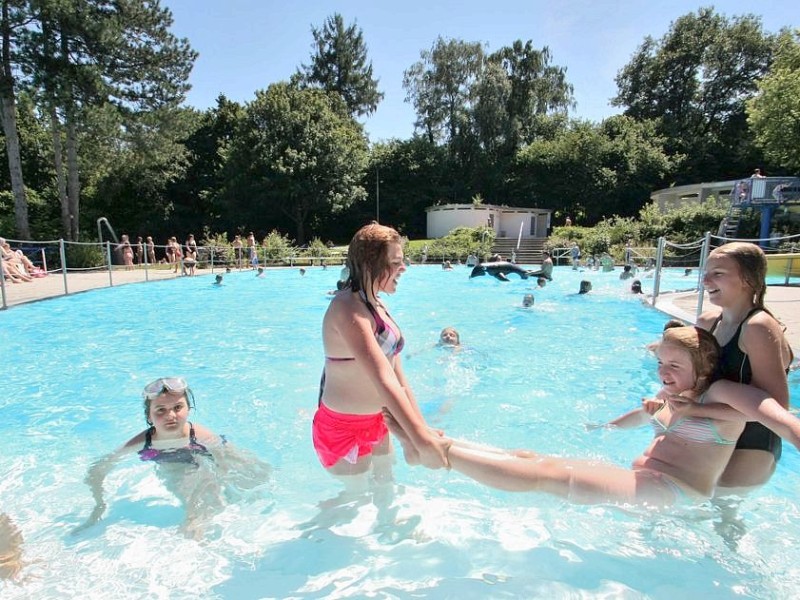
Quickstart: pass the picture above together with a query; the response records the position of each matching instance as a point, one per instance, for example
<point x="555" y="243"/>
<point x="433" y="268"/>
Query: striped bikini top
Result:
<point x="386" y="333"/>
<point x="699" y="430"/>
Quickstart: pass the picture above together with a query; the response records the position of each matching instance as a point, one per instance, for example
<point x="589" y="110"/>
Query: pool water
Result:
<point x="251" y="350"/>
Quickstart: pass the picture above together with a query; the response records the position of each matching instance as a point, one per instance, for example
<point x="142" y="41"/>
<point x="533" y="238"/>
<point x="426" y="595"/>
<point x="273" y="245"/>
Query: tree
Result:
<point x="298" y="151"/>
<point x="440" y="86"/>
<point x="593" y="170"/>
<point x="11" y="20"/>
<point x="93" y="52"/>
<point x="537" y="88"/>
<point x="694" y="82"/>
<point x="340" y="64"/>
<point x="774" y="114"/>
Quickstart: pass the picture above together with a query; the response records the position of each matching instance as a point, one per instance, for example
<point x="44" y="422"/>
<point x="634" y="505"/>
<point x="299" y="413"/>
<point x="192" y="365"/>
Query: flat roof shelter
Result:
<point x="694" y="193"/>
<point x="507" y="221"/>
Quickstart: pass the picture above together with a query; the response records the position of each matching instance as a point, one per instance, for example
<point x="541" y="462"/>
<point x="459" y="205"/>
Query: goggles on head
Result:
<point x="175" y="385"/>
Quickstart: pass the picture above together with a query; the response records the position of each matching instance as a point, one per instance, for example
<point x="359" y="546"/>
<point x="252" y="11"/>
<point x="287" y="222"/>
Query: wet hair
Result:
<point x="527" y="300"/>
<point x="586" y="287"/>
<point x="703" y="349"/>
<point x="454" y="330"/>
<point x="368" y="255"/>
<point x="752" y="263"/>
<point x="187" y="393"/>
<point x="636" y="286"/>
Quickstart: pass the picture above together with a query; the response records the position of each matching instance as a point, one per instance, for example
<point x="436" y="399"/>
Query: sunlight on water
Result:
<point x="251" y="350"/>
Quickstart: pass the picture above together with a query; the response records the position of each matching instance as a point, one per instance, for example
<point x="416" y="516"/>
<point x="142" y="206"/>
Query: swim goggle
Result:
<point x="175" y="385"/>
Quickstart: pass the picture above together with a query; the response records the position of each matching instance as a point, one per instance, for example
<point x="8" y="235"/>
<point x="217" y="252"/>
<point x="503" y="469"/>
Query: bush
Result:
<point x="223" y="251"/>
<point x="456" y="245"/>
<point x="85" y="256"/>
<point x="277" y="246"/>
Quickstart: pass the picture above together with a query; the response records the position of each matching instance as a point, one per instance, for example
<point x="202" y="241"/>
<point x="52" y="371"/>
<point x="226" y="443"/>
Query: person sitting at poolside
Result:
<point x="682" y="463"/>
<point x="13" y="268"/>
<point x="171" y="439"/>
<point x="546" y="270"/>
<point x="527" y="300"/>
<point x="586" y="287"/>
<point x="627" y="272"/>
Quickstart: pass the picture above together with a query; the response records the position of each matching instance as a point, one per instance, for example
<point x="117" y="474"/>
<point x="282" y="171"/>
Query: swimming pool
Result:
<point x="252" y="352"/>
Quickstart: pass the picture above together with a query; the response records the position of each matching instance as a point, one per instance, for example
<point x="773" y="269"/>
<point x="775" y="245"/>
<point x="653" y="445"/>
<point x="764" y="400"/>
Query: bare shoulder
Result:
<point x="203" y="433"/>
<point x="762" y="327"/>
<point x="134" y="443"/>
<point x="706" y="320"/>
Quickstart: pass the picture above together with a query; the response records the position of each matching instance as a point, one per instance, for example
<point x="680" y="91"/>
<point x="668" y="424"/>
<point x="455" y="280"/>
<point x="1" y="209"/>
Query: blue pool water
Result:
<point x="252" y="352"/>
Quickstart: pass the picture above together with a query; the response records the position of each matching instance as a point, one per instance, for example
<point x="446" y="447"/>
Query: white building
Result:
<point x="506" y="221"/>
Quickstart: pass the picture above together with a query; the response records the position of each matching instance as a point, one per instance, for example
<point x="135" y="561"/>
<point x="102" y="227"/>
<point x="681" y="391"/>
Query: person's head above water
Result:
<point x="369" y="259"/>
<point x="218" y="279"/>
<point x="527" y="300"/>
<point x="164" y="396"/>
<point x="702" y="355"/>
<point x="636" y="287"/>
<point x="586" y="287"/>
<point x="449" y="337"/>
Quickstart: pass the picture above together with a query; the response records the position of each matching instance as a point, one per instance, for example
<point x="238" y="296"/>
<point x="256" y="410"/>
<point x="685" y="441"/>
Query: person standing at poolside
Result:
<point x="151" y="250"/>
<point x="363" y="370"/>
<point x="237" y="250"/>
<point x="754" y="351"/>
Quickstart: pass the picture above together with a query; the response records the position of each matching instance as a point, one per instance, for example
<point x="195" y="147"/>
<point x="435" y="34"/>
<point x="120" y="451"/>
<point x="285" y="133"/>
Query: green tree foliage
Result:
<point x="694" y="82"/>
<point x="197" y="196"/>
<point x="536" y="88"/>
<point x="340" y="64"/>
<point x="134" y="191"/>
<point x="441" y="87"/>
<point x="774" y="115"/>
<point x="297" y="151"/>
<point x="89" y="53"/>
<point x="592" y="171"/>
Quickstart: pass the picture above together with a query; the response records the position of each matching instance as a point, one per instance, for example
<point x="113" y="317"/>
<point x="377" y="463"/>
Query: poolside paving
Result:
<point x="783" y="301"/>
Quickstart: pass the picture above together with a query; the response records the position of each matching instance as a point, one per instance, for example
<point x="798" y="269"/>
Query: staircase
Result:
<point x="528" y="253"/>
<point x="729" y="226"/>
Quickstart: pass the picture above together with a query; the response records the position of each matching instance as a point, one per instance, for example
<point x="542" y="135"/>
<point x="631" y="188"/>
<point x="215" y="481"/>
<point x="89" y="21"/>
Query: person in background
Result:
<point x="217" y="279"/>
<point x="586" y="287"/>
<point x="363" y="369"/>
<point x="237" y="250"/>
<point x="151" y="250"/>
<point x="11" y="563"/>
<point x="575" y="254"/>
<point x="546" y="270"/>
<point x="527" y="300"/>
<point x="449" y="336"/>
<point x="636" y="287"/>
<point x="139" y="250"/>
<point x="627" y="272"/>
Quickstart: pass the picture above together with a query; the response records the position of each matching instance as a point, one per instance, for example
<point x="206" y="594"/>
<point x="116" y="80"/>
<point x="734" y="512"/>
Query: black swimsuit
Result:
<point x="734" y="365"/>
<point x="186" y="454"/>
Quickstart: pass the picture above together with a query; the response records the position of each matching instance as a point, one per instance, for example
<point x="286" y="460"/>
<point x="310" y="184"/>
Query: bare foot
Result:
<point x="410" y="453"/>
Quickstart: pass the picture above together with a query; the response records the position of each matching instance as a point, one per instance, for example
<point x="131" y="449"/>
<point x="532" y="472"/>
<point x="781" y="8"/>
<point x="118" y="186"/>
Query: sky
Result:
<point x="246" y="45"/>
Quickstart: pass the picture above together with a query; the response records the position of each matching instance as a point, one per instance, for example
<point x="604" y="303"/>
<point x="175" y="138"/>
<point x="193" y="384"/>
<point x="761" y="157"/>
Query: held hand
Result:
<point x="434" y="454"/>
<point x="651" y="405"/>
